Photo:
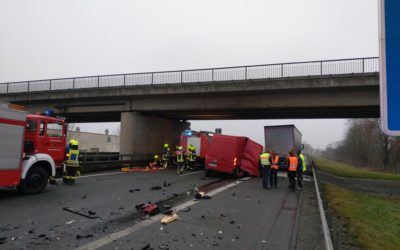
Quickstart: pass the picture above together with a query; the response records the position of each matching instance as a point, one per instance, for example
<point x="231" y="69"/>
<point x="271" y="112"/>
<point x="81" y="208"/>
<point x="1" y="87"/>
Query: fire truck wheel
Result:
<point x="35" y="181"/>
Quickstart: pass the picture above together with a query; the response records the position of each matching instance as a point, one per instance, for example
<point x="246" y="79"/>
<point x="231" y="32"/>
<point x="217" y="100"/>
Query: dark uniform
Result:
<point x="72" y="164"/>
<point x="265" y="161"/>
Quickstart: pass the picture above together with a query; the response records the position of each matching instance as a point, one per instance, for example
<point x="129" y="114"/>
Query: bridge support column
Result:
<point x="143" y="134"/>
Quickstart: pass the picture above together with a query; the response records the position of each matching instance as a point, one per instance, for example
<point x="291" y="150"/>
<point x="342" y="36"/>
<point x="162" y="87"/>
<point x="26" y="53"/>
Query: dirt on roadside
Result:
<point x="309" y="234"/>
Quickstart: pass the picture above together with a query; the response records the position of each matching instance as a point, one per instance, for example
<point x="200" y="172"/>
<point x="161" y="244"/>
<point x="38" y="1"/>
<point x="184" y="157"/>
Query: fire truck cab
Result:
<point x="31" y="148"/>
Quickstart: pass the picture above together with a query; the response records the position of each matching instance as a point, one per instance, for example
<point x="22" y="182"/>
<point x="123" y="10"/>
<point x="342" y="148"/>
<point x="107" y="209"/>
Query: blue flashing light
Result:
<point x="188" y="132"/>
<point x="49" y="113"/>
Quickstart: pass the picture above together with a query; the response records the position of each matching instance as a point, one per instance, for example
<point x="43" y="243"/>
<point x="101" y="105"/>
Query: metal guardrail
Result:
<point x="251" y="72"/>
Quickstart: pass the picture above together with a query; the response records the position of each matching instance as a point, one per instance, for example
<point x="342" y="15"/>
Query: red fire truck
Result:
<point x="32" y="147"/>
<point x="234" y="155"/>
<point x="200" y="140"/>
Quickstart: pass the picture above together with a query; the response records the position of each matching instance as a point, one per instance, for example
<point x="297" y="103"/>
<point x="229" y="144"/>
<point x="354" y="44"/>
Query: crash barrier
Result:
<point x="325" y="227"/>
<point x="93" y="162"/>
<point x="240" y="73"/>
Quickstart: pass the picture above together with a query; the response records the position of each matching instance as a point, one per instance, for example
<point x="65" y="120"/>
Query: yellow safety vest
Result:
<point x="265" y="159"/>
<point x="73" y="158"/>
<point x="304" y="162"/>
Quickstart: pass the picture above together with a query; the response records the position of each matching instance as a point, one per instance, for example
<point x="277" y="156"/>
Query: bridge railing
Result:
<point x="252" y="72"/>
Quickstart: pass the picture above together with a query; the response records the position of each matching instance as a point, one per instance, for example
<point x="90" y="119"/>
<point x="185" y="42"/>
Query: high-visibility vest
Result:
<point x="73" y="158"/>
<point x="265" y="159"/>
<point x="293" y="162"/>
<point x="191" y="156"/>
<point x="275" y="162"/>
<point x="303" y="162"/>
<point x="179" y="156"/>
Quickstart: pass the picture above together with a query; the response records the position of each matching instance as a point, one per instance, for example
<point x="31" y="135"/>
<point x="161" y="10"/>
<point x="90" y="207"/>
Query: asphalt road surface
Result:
<point x="239" y="215"/>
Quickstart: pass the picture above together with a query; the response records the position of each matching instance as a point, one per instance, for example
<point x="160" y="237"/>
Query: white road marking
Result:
<point x="95" y="175"/>
<point x="192" y="173"/>
<point x="129" y="230"/>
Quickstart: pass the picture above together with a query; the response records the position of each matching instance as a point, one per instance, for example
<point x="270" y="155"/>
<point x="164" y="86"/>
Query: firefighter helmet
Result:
<point x="155" y="157"/>
<point x="166" y="145"/>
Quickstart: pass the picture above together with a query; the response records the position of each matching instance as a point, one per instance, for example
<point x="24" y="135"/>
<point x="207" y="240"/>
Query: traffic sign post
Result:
<point x="390" y="65"/>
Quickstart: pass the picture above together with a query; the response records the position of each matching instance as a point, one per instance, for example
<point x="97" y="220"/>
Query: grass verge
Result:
<point x="346" y="170"/>
<point x="372" y="222"/>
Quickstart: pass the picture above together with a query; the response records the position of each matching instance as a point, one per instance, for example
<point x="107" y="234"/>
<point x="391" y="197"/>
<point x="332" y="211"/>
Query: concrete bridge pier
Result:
<point x="145" y="134"/>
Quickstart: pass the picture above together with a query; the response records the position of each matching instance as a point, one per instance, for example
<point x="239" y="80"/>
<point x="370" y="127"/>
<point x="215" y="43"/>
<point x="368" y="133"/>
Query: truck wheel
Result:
<point x="35" y="181"/>
<point x="237" y="173"/>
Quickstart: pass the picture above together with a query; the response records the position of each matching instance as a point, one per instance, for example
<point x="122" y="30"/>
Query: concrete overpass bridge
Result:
<point x="153" y="107"/>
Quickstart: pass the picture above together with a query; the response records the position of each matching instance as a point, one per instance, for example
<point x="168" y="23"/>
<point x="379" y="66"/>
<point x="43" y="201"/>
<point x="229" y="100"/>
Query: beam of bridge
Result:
<point x="319" y="89"/>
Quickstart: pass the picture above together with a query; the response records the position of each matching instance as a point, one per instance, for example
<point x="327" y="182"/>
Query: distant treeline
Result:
<point x="365" y="145"/>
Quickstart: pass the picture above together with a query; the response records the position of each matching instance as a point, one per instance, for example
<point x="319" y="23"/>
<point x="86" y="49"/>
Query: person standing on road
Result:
<point x="166" y="155"/>
<point x="301" y="168"/>
<point x="265" y="162"/>
<point x="274" y="169"/>
<point x="180" y="161"/>
<point x="292" y="163"/>
<point x="72" y="164"/>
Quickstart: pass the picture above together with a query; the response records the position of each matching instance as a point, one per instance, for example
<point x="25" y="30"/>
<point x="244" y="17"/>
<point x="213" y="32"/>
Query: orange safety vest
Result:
<point x="293" y="162"/>
<point x="275" y="162"/>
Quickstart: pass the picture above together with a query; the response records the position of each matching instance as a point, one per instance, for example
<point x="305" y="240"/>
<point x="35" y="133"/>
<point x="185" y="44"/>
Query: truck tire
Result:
<point x="35" y="181"/>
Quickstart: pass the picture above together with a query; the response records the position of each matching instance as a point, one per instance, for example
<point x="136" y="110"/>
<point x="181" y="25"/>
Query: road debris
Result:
<point x="68" y="222"/>
<point x="147" y="247"/>
<point x="78" y="212"/>
<point x="83" y="197"/>
<point x="155" y="188"/>
<point x="223" y="215"/>
<point x="163" y="247"/>
<point x="166" y="184"/>
<point x="168" y="211"/>
<point x="78" y="237"/>
<point x="91" y="212"/>
<point x="3" y="240"/>
<point x="150" y="209"/>
<point x="232" y="222"/>
<point x="169" y="218"/>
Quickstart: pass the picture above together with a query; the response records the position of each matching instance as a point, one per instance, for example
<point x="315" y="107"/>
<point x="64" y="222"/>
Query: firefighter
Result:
<point x="265" y="162"/>
<point x="191" y="157"/>
<point x="273" y="179"/>
<point x="52" y="179"/>
<point x="292" y="161"/>
<point x="180" y="160"/>
<point x="301" y="168"/>
<point x="156" y="162"/>
<point x="165" y="155"/>
<point x="72" y="163"/>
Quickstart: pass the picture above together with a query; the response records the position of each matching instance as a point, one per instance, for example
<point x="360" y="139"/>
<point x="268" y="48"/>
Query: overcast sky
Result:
<point x="52" y="39"/>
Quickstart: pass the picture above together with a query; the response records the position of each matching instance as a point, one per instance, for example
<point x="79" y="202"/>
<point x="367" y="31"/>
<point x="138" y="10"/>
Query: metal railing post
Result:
<point x="245" y="73"/>
<point x="73" y="83"/>
<point x="152" y="78"/>
<point x="212" y="75"/>
<point x="98" y="81"/>
<point x="8" y="86"/>
<point x="282" y="70"/>
<point x="320" y="69"/>
<point x="28" y="86"/>
<point x="363" y="65"/>
<point x="181" y="76"/>
<point x="124" y="80"/>
<point x="50" y="85"/>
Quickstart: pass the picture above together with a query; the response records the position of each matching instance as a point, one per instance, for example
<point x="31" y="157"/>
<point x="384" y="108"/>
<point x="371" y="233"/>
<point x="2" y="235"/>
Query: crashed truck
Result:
<point x="32" y="147"/>
<point x="234" y="155"/>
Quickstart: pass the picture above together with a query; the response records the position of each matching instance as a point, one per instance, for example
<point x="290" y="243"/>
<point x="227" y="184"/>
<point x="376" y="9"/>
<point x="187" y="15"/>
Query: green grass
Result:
<point x="346" y="170"/>
<point x="373" y="222"/>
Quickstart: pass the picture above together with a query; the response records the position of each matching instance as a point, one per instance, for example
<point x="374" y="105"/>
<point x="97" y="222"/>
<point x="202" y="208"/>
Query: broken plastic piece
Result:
<point x="151" y="209"/>
<point x="169" y="218"/>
